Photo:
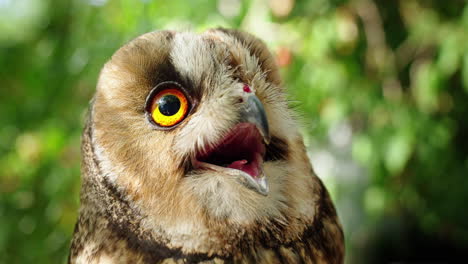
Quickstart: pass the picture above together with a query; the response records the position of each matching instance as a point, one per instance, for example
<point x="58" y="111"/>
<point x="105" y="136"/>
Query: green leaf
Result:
<point x="397" y="153"/>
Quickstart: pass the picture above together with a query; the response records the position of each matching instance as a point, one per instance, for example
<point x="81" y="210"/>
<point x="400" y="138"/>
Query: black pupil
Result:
<point x="169" y="105"/>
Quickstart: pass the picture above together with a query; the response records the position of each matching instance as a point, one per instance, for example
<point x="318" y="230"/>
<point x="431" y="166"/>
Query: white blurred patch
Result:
<point x="340" y="135"/>
<point x="5" y="3"/>
<point x="324" y="163"/>
<point x="229" y="8"/>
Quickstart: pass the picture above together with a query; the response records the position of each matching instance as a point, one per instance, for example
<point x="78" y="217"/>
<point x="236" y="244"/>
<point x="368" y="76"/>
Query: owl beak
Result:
<point x="253" y="112"/>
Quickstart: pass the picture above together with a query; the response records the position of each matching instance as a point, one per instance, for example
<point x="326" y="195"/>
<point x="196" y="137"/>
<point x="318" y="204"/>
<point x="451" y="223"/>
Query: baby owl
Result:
<point x="191" y="155"/>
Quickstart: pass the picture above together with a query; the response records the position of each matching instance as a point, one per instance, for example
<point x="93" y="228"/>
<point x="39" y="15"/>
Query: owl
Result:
<point x="190" y="154"/>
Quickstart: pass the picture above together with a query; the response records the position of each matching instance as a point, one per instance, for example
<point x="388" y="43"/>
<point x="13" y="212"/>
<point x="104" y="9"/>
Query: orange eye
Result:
<point x="169" y="107"/>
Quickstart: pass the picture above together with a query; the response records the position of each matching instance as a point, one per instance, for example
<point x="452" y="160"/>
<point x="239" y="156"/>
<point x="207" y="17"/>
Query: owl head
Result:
<point x="193" y="133"/>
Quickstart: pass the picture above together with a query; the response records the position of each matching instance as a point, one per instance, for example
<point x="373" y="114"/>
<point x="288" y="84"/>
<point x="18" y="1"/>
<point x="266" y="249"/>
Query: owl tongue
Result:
<point x="250" y="168"/>
<point x="241" y="149"/>
<point x="238" y="165"/>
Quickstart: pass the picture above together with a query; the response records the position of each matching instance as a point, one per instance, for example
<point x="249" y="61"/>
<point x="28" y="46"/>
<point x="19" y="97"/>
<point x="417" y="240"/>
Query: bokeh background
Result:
<point x="382" y="87"/>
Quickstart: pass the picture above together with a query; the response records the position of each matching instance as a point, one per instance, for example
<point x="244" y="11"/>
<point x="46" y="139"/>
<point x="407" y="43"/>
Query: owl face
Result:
<point x="196" y="126"/>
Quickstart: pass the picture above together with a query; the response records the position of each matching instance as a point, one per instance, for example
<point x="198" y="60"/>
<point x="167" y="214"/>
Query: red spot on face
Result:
<point x="247" y="88"/>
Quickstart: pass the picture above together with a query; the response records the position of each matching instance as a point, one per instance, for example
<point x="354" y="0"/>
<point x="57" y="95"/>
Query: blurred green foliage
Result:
<point x="382" y="87"/>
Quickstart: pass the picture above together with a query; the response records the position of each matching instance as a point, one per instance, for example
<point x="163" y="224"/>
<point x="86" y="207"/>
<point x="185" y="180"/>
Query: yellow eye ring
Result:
<point x="169" y="107"/>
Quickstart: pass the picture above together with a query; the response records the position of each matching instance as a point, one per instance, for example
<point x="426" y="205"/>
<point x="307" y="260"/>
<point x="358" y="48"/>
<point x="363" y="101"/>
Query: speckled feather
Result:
<point x="141" y="202"/>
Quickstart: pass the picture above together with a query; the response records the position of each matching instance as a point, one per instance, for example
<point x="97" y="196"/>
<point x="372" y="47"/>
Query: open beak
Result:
<point x="241" y="151"/>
